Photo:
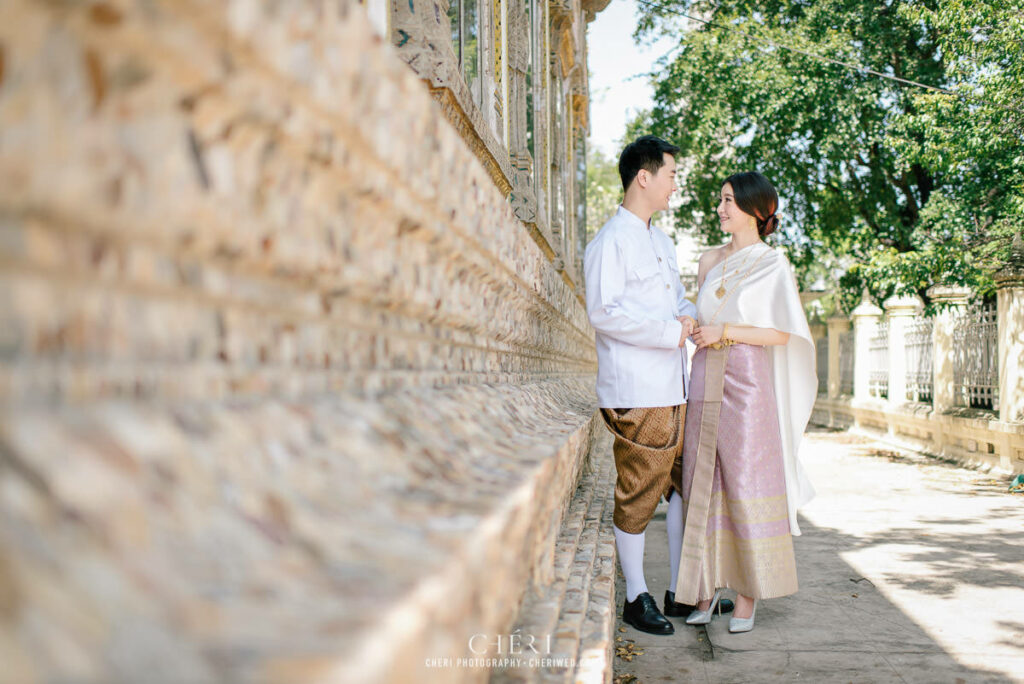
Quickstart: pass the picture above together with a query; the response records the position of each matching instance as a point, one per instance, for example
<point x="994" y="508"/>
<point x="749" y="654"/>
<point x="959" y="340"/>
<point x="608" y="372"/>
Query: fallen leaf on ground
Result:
<point x="627" y="652"/>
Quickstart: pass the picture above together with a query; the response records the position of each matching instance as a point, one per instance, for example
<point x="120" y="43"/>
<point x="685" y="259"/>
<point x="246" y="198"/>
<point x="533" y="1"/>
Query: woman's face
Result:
<point x="730" y="216"/>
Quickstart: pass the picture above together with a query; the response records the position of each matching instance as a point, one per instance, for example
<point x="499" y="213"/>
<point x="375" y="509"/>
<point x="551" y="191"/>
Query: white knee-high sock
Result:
<point x="631" y="559"/>
<point x="674" y="523"/>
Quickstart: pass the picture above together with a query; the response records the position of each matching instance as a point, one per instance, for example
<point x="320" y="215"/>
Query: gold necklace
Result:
<point x="738" y="283"/>
<point x="720" y="292"/>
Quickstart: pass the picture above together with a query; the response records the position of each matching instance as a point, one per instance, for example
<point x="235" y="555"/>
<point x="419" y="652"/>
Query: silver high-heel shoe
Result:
<point x="743" y="624"/>
<point x="703" y="617"/>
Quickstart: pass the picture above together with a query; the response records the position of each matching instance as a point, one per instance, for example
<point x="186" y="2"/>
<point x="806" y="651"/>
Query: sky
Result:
<point x="618" y="85"/>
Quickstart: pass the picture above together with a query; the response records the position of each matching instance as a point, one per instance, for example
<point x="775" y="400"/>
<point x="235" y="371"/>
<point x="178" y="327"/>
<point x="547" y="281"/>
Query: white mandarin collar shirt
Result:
<point x="633" y="298"/>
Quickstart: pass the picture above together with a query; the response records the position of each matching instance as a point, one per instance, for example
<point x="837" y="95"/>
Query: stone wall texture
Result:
<point x="287" y="392"/>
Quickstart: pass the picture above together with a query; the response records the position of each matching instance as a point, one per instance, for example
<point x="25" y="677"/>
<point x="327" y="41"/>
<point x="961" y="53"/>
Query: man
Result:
<point x="642" y="318"/>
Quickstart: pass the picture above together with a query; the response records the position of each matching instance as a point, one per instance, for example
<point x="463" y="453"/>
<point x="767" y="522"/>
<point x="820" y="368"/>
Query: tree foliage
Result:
<point x="604" y="189"/>
<point x="887" y="187"/>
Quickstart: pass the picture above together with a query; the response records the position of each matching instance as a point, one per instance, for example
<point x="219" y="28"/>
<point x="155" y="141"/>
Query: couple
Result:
<point x="728" y="465"/>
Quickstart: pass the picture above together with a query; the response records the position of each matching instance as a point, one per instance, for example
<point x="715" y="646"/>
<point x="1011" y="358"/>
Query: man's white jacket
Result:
<point x="633" y="298"/>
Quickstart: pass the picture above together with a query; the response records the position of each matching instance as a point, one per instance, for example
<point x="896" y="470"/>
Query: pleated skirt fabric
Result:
<point x="746" y="543"/>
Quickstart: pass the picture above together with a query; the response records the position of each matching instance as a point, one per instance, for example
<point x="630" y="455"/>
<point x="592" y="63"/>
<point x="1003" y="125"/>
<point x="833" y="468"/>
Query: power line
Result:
<point x="823" y="58"/>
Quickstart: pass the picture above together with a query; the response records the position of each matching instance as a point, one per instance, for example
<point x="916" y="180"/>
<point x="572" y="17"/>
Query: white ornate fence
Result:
<point x="821" y="345"/>
<point x="846" y="363"/>
<point x="920" y="362"/>
<point x="879" y="346"/>
<point x="975" y="360"/>
<point x="952" y="384"/>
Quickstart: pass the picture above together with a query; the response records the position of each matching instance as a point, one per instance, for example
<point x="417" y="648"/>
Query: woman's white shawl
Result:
<point x="768" y="298"/>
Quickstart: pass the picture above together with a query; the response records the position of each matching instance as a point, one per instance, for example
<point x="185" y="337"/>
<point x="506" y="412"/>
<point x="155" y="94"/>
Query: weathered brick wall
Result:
<point x="284" y="385"/>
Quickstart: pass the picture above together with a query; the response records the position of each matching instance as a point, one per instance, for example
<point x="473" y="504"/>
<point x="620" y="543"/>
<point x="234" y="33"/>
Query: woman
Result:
<point x="752" y="387"/>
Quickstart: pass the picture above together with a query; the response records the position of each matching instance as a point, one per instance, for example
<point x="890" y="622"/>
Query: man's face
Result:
<point x="662" y="185"/>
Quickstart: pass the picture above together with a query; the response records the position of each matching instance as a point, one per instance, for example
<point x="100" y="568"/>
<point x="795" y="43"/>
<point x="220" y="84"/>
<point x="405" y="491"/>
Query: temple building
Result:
<point x="511" y="77"/>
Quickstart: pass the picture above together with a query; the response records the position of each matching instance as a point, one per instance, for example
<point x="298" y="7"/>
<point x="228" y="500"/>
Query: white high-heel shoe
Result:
<point x="703" y="617"/>
<point x="743" y="624"/>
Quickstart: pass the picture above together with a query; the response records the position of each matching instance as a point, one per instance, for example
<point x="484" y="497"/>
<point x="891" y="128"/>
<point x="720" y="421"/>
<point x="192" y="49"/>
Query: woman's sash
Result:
<point x="695" y="534"/>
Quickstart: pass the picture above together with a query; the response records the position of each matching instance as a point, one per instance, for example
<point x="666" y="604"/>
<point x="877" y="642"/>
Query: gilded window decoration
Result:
<point x="532" y="18"/>
<point x="497" y="19"/>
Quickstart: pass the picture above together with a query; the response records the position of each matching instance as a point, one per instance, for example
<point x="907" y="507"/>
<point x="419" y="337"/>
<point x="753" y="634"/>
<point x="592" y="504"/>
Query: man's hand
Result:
<point x="688" y="326"/>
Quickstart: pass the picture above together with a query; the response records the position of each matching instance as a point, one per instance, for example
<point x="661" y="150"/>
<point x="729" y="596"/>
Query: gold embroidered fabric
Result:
<point x="648" y="451"/>
<point x="734" y="496"/>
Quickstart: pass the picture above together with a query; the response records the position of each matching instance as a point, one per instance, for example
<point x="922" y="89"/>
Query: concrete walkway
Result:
<point x="911" y="570"/>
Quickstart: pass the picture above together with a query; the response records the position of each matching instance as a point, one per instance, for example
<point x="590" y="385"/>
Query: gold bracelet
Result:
<point x="725" y="341"/>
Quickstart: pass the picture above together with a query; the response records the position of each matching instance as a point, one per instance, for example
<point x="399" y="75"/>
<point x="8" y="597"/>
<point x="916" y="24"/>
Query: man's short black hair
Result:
<point x="646" y="152"/>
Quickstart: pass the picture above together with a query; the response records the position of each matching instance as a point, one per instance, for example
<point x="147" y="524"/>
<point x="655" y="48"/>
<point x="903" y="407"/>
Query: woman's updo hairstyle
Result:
<point x="755" y="195"/>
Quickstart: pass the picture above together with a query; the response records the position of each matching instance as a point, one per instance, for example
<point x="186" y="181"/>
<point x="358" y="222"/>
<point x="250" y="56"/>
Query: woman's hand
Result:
<point x="739" y="334"/>
<point x="707" y="335"/>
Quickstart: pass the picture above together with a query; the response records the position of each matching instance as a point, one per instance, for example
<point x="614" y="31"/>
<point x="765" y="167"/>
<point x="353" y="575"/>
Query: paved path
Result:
<point x="911" y="570"/>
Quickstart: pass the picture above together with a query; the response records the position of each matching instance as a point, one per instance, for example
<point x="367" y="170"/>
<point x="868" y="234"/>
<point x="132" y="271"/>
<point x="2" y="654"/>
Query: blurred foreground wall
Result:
<point x="288" y="392"/>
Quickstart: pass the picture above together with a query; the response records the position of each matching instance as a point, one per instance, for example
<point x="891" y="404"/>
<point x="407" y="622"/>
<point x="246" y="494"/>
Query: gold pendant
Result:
<point x="720" y="292"/>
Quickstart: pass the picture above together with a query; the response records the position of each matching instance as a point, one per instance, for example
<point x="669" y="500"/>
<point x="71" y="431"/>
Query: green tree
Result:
<point x="604" y="189"/>
<point x="887" y="187"/>
<point x="974" y="142"/>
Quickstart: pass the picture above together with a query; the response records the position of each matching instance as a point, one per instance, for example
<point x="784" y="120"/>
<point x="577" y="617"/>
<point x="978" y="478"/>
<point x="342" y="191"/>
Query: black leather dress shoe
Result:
<point x="674" y="609"/>
<point x="644" y="615"/>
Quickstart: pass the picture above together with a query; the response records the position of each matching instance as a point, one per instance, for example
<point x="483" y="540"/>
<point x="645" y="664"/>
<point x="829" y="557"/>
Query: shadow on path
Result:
<point x="844" y="627"/>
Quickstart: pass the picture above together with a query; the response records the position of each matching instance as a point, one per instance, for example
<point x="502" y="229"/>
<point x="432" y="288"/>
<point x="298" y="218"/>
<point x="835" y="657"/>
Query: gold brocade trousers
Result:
<point x="648" y="460"/>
